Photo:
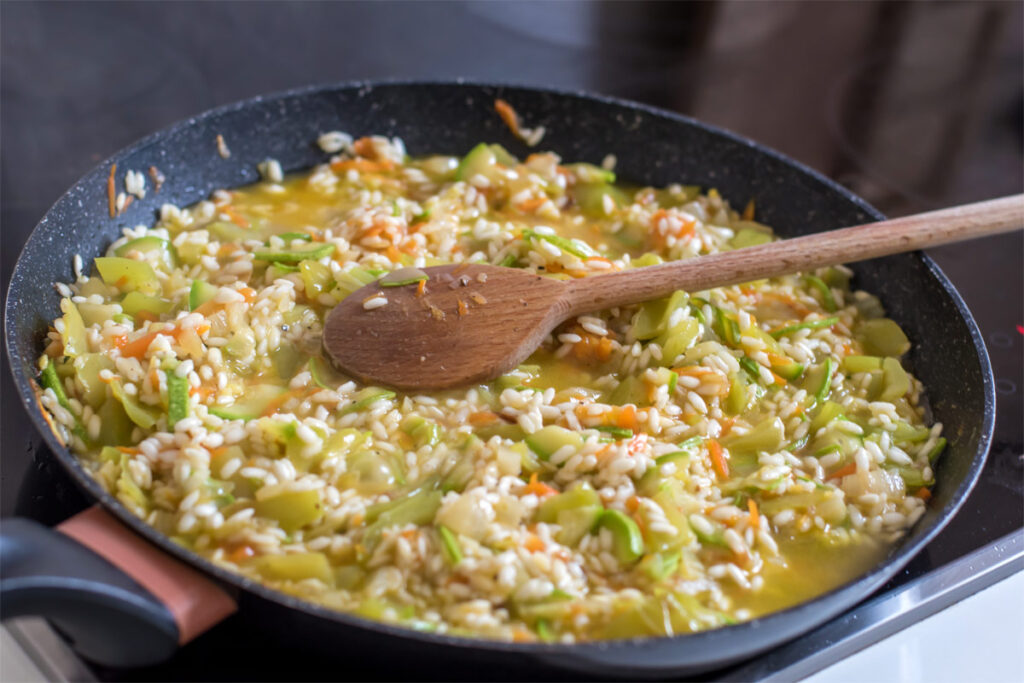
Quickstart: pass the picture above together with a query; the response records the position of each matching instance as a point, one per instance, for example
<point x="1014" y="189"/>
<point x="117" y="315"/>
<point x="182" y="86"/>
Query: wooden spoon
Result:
<point x="475" y="322"/>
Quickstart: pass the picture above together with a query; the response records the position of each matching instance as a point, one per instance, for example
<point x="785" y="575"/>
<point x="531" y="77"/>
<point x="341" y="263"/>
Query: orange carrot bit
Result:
<point x="533" y="544"/>
<point x="539" y="488"/>
<point x="923" y="494"/>
<point x="234" y="216"/>
<point x="718" y="459"/>
<point x="393" y="253"/>
<point x="533" y="204"/>
<point x="627" y="417"/>
<point x="522" y="636"/>
<point x="778" y="379"/>
<point x="844" y="471"/>
<point x="463" y="308"/>
<point x="727" y="424"/>
<point x="241" y="554"/>
<point x="508" y="115"/>
<point x="112" y="192"/>
<point x="755" y="516"/>
<point x="421" y="288"/>
<point x="483" y="417"/>
<point x="137" y="348"/>
<point x="249" y="293"/>
<point x="364" y="148"/>
<point x="632" y="503"/>
<point x="748" y="211"/>
<point x="636" y="444"/>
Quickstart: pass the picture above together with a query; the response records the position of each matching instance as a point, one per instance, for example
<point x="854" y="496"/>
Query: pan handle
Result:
<point x="121" y="601"/>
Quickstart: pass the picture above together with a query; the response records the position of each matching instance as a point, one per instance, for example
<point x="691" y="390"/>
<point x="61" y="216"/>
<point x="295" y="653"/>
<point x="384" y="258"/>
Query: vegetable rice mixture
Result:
<point x="650" y="470"/>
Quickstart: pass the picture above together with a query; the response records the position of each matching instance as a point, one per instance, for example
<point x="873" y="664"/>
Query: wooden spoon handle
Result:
<point x="802" y="253"/>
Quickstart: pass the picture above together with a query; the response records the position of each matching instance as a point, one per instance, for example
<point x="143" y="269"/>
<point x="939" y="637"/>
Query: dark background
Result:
<point x="914" y="106"/>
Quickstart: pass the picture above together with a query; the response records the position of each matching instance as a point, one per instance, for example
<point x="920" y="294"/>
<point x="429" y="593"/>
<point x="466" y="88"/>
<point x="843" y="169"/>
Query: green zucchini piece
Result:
<point x="882" y="337"/>
<point x="545" y="441"/>
<point x="168" y="254"/>
<point x="749" y="237"/>
<point x="768" y="435"/>
<point x="423" y="431"/>
<point x="617" y="432"/>
<point x="575" y="247"/>
<point x="292" y="510"/>
<point x="254" y="403"/>
<point x="936" y="451"/>
<point x="627" y="541"/>
<point x="827" y="300"/>
<point x="590" y="197"/>
<point x="580" y="496"/>
<point x="830" y="410"/>
<point x="808" y="325"/>
<point x="73" y="336"/>
<point x="316" y="277"/>
<point x="652" y="318"/>
<point x="290" y="236"/>
<point x="895" y="381"/>
<point x="128" y="275"/>
<point x="855" y="364"/>
<point x="137" y="413"/>
<point x="364" y="398"/>
<point x="200" y="293"/>
<point x="826" y="381"/>
<point x="137" y="302"/>
<point x="49" y="379"/>
<point x="315" y="252"/>
<point x="449" y="545"/>
<point x="177" y="398"/>
<point x="295" y="567"/>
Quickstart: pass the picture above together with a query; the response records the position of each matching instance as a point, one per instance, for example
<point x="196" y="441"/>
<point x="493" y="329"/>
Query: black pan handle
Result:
<point x="107" y="616"/>
<point x="120" y="601"/>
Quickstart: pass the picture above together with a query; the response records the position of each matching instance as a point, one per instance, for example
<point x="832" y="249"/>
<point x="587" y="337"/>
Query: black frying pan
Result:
<point x="112" y="619"/>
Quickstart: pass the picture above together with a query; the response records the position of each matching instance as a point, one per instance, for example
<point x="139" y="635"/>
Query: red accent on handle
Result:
<point x="195" y="602"/>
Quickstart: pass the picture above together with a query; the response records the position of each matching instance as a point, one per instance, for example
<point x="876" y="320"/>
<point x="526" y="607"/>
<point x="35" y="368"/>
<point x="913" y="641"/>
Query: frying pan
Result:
<point x="110" y="607"/>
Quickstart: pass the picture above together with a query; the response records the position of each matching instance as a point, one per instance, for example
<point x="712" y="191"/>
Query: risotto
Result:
<point x="651" y="470"/>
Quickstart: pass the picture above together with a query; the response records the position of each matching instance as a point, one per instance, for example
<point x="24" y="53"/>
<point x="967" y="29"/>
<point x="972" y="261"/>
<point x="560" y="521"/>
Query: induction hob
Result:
<point x="913" y="106"/>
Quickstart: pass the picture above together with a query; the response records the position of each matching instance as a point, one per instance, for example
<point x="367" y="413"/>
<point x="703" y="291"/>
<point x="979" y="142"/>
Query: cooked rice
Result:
<point x="762" y="512"/>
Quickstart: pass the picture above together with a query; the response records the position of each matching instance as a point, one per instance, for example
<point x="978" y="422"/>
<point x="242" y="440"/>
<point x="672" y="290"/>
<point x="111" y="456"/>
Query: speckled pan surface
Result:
<point x="652" y="147"/>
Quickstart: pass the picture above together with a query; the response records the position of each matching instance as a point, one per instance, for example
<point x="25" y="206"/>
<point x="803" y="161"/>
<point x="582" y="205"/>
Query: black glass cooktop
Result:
<point x="913" y="106"/>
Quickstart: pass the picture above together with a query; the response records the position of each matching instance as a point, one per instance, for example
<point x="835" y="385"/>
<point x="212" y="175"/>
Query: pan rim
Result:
<point x="865" y="584"/>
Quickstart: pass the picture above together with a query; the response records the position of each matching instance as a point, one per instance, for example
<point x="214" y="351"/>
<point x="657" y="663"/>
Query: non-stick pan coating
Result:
<point x="652" y="147"/>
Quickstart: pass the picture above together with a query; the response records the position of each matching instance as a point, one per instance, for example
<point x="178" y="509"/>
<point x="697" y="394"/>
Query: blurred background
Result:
<point x="913" y="105"/>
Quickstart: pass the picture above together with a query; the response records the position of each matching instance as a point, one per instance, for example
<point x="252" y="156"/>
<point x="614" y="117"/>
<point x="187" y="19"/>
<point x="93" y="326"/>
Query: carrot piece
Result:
<point x="632" y="503"/>
<point x="233" y="215"/>
<point x="533" y="544"/>
<point x="755" y="517"/>
<point x="421" y="288"/>
<point x="627" y="417"/>
<point x="508" y="115"/>
<point x="112" y="192"/>
<point x="717" y="459"/>
<point x="844" y="471"/>
<point x="539" y="488"/>
<point x="241" y="553"/>
<point x="137" y="348"/>
<point x="748" y="211"/>
<point x="483" y="417"/>
<point x="532" y="204"/>
<point x="923" y="494"/>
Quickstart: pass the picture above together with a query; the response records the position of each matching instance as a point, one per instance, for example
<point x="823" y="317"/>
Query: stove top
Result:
<point x="913" y="106"/>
